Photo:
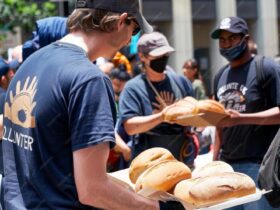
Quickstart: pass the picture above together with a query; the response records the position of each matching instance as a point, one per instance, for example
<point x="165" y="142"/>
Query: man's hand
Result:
<point x="231" y="120"/>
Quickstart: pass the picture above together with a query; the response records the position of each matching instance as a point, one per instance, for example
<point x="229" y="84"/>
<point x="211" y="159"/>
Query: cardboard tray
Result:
<point x="200" y="120"/>
<point x="122" y="178"/>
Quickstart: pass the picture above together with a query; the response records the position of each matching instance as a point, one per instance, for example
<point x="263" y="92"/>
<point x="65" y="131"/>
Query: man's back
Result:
<point x="44" y="124"/>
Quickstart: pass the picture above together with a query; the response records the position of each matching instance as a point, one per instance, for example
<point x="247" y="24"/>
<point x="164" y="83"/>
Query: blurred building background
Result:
<point x="188" y="23"/>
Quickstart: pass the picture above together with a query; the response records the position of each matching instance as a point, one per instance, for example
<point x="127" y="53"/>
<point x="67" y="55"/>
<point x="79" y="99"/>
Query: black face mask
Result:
<point x="159" y="64"/>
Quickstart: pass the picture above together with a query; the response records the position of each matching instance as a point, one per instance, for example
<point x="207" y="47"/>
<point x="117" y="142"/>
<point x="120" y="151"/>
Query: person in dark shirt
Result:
<point x="238" y="88"/>
<point x="146" y="96"/>
<point x="59" y="117"/>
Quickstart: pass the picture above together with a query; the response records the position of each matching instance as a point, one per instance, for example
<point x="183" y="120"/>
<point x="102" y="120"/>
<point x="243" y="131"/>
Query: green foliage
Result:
<point x="24" y="13"/>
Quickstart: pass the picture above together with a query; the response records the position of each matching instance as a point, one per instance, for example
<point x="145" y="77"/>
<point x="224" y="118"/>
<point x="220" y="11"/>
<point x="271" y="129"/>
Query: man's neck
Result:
<point x="154" y="76"/>
<point x="244" y="59"/>
<point x="94" y="46"/>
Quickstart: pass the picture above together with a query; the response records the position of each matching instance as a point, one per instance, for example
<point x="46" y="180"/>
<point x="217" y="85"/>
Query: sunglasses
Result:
<point x="137" y="28"/>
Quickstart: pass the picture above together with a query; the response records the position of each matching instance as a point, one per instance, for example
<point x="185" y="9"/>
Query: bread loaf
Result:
<point x="147" y="159"/>
<point x="163" y="176"/>
<point x="211" y="168"/>
<point x="209" y="105"/>
<point x="184" y="106"/>
<point x="208" y="190"/>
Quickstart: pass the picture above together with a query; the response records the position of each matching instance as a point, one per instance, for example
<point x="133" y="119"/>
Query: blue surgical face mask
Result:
<point x="234" y="52"/>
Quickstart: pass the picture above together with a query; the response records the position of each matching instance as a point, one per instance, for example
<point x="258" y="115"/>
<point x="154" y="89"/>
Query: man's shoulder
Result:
<point x="136" y="81"/>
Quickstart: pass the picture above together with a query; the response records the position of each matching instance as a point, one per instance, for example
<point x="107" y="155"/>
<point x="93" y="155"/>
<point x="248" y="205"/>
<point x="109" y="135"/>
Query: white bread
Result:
<point x="218" y="188"/>
<point x="211" y="168"/>
<point x="147" y="159"/>
<point x="163" y="176"/>
<point x="184" y="106"/>
<point x="210" y="106"/>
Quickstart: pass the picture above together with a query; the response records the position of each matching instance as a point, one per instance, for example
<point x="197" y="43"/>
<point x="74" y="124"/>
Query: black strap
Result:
<point x="218" y="76"/>
<point x="259" y="70"/>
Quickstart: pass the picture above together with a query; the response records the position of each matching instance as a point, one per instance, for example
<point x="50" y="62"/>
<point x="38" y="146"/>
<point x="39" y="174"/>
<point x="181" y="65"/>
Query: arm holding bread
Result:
<point x="268" y="117"/>
<point x="94" y="186"/>
<point x="141" y="124"/>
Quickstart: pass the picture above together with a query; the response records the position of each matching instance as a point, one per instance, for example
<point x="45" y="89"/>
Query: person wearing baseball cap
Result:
<point x="241" y="89"/>
<point x="60" y="113"/>
<point x="145" y="98"/>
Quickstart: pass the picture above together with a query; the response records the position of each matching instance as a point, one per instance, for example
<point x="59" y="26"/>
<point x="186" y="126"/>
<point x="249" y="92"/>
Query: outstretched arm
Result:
<point x="267" y="117"/>
<point x="94" y="186"/>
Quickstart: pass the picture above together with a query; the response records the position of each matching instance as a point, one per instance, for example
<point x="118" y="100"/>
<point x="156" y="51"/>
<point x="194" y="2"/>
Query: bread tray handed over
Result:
<point x="200" y="120"/>
<point x="122" y="178"/>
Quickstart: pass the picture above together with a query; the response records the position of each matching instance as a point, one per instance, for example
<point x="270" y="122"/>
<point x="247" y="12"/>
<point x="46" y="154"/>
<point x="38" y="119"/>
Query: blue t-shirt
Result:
<point x="238" y="89"/>
<point x="2" y="102"/>
<point x="139" y="99"/>
<point x="57" y="103"/>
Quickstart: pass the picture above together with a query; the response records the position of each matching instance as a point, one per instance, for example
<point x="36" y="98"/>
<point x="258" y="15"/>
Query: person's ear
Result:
<point x="247" y="37"/>
<point x="121" y="21"/>
<point x="141" y="56"/>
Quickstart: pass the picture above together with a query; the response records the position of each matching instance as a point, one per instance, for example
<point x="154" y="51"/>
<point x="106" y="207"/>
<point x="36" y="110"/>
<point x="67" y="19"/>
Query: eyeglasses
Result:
<point x="130" y="20"/>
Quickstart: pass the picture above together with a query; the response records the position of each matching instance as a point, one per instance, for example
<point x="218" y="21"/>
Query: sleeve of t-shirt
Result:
<point x="188" y="86"/>
<point x="91" y="111"/>
<point x="129" y="104"/>
<point x="272" y="81"/>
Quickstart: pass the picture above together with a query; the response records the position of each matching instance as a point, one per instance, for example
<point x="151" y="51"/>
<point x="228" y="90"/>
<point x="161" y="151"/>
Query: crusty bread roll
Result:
<point x="205" y="191"/>
<point x="163" y="176"/>
<point x="184" y="106"/>
<point x="209" y="105"/>
<point x="147" y="159"/>
<point x="211" y="168"/>
<point x="187" y="101"/>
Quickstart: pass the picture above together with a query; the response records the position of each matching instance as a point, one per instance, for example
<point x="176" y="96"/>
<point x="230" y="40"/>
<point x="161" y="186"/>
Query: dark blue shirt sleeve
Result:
<point x="91" y="111"/>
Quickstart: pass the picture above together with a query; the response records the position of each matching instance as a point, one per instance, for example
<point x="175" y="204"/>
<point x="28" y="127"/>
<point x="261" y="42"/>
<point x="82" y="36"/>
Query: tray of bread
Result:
<point x="190" y="112"/>
<point x="156" y="174"/>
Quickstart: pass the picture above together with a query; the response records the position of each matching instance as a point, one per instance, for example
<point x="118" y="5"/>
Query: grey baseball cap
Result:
<point x="154" y="44"/>
<point x="129" y="6"/>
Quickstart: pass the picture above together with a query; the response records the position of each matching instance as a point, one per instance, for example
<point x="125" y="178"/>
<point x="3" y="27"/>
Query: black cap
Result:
<point x="129" y="6"/>
<point x="234" y="25"/>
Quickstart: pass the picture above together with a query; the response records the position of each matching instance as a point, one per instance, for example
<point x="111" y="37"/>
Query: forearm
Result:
<point x="268" y="117"/>
<point x="217" y="143"/>
<point x="94" y="186"/>
<point x="123" y="198"/>
<point x="141" y="124"/>
<point x="122" y="147"/>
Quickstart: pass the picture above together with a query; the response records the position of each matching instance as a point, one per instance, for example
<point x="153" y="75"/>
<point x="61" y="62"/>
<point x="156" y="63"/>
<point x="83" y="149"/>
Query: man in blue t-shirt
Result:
<point x="59" y="117"/>
<point x="238" y="87"/>
<point x="144" y="98"/>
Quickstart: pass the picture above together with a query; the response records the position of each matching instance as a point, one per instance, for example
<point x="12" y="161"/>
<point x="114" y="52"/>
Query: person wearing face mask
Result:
<point x="238" y="87"/>
<point x="146" y="96"/>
